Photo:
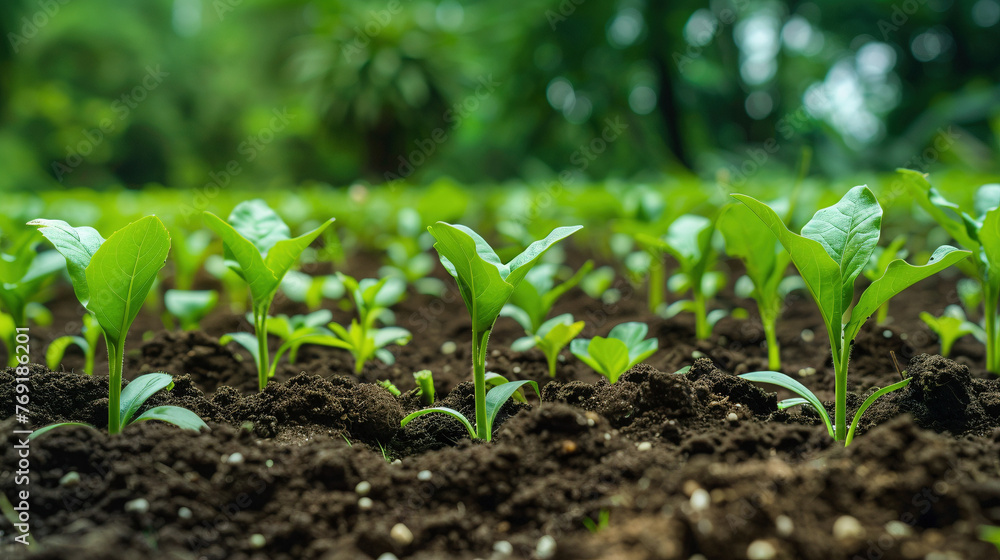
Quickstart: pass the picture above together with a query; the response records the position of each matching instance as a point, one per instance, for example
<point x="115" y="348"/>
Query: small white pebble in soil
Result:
<point x="495" y="353"/>
<point x="257" y="541"/>
<point x="139" y="505"/>
<point x="847" y="528"/>
<point x="449" y="347"/>
<point x="607" y="436"/>
<point x="503" y="548"/>
<point x="784" y="525"/>
<point x="732" y="417"/>
<point x="401" y="534"/>
<point x="516" y="369"/>
<point x="269" y="463"/>
<point x="898" y="529"/>
<point x="397" y="462"/>
<point x="70" y="479"/>
<point x="696" y="354"/>
<point x="807" y="335"/>
<point x="363" y="488"/>
<point x="700" y="500"/>
<point x="235" y="459"/>
<point x="902" y="336"/>
<point x="807" y="371"/>
<point x="365" y="503"/>
<point x="424" y="475"/>
<point x="184" y="513"/>
<point x="705" y="527"/>
<point x="545" y="548"/>
<point x="887" y="333"/>
<point x="761" y="550"/>
<point x="388" y="556"/>
<point x="645" y="446"/>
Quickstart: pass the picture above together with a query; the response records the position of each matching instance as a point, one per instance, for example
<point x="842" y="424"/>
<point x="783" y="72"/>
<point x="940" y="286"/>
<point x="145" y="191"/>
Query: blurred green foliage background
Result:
<point x="272" y="93"/>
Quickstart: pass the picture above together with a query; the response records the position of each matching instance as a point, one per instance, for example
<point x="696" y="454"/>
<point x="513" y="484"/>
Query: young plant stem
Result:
<point x="260" y="326"/>
<point x="552" y="364"/>
<point x="883" y="314"/>
<point x="773" y="349"/>
<point x="656" y="279"/>
<point x="479" y="340"/>
<point x="991" y="298"/>
<point x="88" y="367"/>
<point x="702" y="330"/>
<point x="840" y="363"/>
<point x="116" y="362"/>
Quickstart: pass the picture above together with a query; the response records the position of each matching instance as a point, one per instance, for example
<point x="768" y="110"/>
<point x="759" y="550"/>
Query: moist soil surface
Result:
<point x="683" y="466"/>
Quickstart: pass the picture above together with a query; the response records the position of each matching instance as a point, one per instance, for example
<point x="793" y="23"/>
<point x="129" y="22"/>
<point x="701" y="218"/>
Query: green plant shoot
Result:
<point x="486" y="284"/>
<point x="112" y="279"/>
<point x="877" y="266"/>
<point x="23" y="274"/>
<point x="551" y="337"/>
<point x="189" y="306"/>
<point x="620" y="351"/>
<point x="425" y="385"/>
<point x="951" y="326"/>
<point x="980" y="234"/>
<point x="689" y="241"/>
<point x="259" y="247"/>
<point x="831" y="252"/>
<point x="532" y="300"/>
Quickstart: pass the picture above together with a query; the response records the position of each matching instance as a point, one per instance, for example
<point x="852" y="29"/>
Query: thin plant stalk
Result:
<point x="479" y="341"/>
<point x="116" y="363"/>
<point x="260" y="326"/>
<point x="991" y="299"/>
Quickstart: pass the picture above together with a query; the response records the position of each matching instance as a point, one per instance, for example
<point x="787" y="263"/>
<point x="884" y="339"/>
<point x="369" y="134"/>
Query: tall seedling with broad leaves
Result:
<point x="259" y="247"/>
<point x="689" y="239"/>
<point x="112" y="279"/>
<point x="486" y="284"/>
<point x="979" y="233"/>
<point x="832" y="250"/>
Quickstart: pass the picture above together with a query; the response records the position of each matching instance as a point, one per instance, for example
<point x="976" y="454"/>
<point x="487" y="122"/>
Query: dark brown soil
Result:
<point x="690" y="466"/>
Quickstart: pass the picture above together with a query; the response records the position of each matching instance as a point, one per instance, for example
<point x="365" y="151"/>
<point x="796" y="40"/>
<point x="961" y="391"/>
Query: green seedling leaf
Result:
<point x="425" y="385"/>
<point x="492" y="379"/>
<point x="499" y="395"/>
<point x="443" y="410"/>
<point x="947" y="214"/>
<point x="689" y="240"/>
<point x="868" y="402"/>
<point x="190" y="306"/>
<point x="951" y="326"/>
<point x="553" y="336"/>
<point x="782" y="380"/>
<point x="244" y="339"/>
<point x="42" y="431"/>
<point x="899" y="276"/>
<point x="789" y="403"/>
<point x="180" y="417"/>
<point x="57" y="350"/>
<point x="259" y="224"/>
<point x="77" y="245"/>
<point x="138" y="392"/>
<point x="621" y="350"/>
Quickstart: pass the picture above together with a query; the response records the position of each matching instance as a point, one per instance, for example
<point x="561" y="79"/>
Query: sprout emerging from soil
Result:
<point x="623" y="348"/>
<point x="830" y="254"/>
<point x="486" y="284"/>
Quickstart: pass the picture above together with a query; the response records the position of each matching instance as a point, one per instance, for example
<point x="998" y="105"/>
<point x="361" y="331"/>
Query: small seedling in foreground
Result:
<point x="689" y="241"/>
<point x="112" y="279"/>
<point x="951" y="326"/>
<point x="552" y="336"/>
<point x="391" y="387"/>
<point x="425" y="385"/>
<point x="259" y="247"/>
<point x="766" y="262"/>
<point x="980" y="234"/>
<point x="189" y="306"/>
<point x="88" y="343"/>
<point x="830" y="254"/>
<point x="486" y="284"/>
<point x="603" y="520"/>
<point x="620" y="351"/>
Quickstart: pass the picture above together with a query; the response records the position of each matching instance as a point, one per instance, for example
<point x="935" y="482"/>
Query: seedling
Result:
<point x="311" y="290"/>
<point x="425" y="385"/>
<point x="91" y="332"/>
<point x="551" y="337"/>
<point x="980" y="234"/>
<point x="190" y="252"/>
<point x="599" y="285"/>
<point x="833" y="249"/>
<point x="877" y="265"/>
<point x="533" y="298"/>
<point x="407" y="257"/>
<point x="112" y="279"/>
<point x="620" y="351"/>
<point x="389" y="386"/>
<point x="603" y="520"/>
<point x="188" y="306"/>
<point x="951" y="326"/>
<point x="291" y="329"/>
<point x="486" y="284"/>
<point x="259" y="247"/>
<point x="689" y="241"/>
<point x="233" y="285"/>
<point x="765" y="261"/>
